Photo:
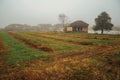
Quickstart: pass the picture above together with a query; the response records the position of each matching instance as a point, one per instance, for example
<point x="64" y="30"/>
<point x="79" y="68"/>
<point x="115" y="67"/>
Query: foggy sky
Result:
<point x="35" y="12"/>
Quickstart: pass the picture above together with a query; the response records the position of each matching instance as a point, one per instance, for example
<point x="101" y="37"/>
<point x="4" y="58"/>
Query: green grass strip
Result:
<point x="60" y="47"/>
<point x="19" y="52"/>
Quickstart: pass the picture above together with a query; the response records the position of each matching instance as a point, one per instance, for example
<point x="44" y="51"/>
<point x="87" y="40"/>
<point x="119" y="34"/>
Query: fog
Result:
<point x="35" y="12"/>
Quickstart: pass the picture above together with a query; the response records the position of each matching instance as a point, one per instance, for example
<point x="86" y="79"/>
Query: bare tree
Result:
<point x="63" y="19"/>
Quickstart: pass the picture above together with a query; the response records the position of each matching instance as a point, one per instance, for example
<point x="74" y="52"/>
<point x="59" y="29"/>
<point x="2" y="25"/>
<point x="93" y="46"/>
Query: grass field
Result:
<point x="59" y="56"/>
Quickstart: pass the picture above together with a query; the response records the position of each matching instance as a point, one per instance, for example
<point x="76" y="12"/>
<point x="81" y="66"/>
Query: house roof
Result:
<point x="79" y="23"/>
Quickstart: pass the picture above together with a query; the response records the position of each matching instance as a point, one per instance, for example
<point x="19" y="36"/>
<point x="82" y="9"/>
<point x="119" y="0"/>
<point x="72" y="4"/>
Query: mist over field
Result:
<point x="59" y="39"/>
<point x="34" y="12"/>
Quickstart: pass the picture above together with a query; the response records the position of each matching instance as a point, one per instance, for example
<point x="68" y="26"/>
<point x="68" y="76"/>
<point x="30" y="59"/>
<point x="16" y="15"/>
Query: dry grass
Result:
<point x="98" y="62"/>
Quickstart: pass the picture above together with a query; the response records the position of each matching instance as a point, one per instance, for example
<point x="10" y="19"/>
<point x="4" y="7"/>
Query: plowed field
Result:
<point x="59" y="56"/>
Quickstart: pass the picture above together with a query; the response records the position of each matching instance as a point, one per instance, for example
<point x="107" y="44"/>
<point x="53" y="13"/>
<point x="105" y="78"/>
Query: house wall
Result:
<point x="85" y="29"/>
<point x="69" y="29"/>
<point x="80" y="29"/>
<point x="77" y="29"/>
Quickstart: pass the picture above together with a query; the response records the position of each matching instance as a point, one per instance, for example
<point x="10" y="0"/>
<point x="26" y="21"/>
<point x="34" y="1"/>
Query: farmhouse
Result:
<point x="78" y="26"/>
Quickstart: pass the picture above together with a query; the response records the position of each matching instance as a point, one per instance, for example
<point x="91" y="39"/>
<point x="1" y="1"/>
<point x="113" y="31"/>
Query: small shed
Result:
<point x="78" y="26"/>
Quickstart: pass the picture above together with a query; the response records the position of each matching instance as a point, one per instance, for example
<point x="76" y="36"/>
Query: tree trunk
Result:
<point x="101" y="31"/>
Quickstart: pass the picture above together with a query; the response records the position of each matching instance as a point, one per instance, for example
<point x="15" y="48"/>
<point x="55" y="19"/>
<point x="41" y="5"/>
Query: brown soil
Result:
<point x="32" y="43"/>
<point x="37" y="74"/>
<point x="3" y="57"/>
<point x="2" y="49"/>
<point x="67" y="41"/>
<point x="99" y="49"/>
<point x="29" y="74"/>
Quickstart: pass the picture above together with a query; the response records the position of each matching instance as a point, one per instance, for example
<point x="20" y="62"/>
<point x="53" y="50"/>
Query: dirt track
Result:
<point x="2" y="49"/>
<point x="67" y="41"/>
<point x="32" y="43"/>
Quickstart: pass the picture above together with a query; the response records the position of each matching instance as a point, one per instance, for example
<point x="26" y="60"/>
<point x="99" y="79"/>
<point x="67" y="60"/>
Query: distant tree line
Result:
<point x="102" y="23"/>
<point x="39" y="27"/>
